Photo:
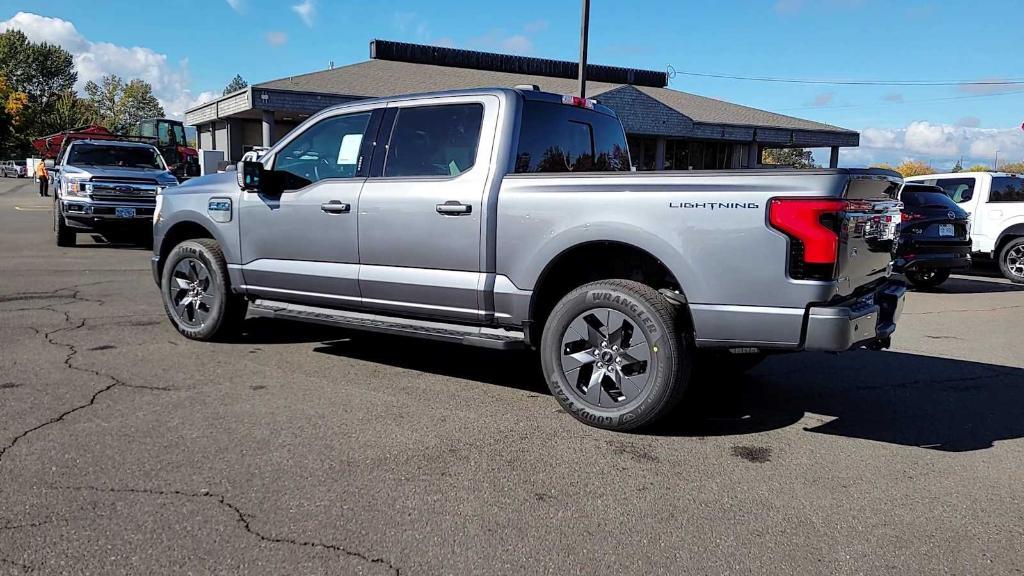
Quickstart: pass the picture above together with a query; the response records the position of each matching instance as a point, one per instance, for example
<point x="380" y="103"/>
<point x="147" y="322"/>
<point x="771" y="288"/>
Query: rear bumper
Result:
<point x="950" y="260"/>
<point x="865" y="322"/>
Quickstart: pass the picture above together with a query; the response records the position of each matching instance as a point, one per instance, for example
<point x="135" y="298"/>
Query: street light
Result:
<point x="584" y="33"/>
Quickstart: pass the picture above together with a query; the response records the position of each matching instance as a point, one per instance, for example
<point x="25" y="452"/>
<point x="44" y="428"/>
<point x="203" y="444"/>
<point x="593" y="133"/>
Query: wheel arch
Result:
<point x="179" y="232"/>
<point x="619" y="259"/>
<point x="1007" y="235"/>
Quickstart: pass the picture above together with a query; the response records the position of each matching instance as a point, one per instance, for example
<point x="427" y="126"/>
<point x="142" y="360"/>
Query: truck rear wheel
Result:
<point x="196" y="291"/>
<point x="615" y="355"/>
<point x="66" y="237"/>
<point x="1011" y="260"/>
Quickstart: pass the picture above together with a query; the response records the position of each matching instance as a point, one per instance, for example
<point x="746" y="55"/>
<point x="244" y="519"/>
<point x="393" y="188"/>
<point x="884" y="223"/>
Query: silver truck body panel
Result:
<point x="397" y="251"/>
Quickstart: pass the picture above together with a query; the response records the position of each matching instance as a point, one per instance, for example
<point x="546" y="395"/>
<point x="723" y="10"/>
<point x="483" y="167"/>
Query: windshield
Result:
<point x="122" y="156"/>
<point x="19" y="162"/>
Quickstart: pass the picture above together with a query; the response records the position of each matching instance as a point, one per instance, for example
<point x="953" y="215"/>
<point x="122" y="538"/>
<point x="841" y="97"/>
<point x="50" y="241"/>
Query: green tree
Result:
<point x="120" y="106"/>
<point x="70" y="111"/>
<point x="236" y="84"/>
<point x="42" y="72"/>
<point x="959" y="166"/>
<point x="792" y="157"/>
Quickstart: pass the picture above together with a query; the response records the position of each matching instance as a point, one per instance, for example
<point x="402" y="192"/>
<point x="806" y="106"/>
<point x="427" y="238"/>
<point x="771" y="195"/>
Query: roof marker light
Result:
<point x="577" y="101"/>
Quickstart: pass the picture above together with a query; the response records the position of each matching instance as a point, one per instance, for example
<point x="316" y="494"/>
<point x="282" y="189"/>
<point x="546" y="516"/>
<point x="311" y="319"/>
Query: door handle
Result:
<point x="335" y="207"/>
<point x="454" y="208"/>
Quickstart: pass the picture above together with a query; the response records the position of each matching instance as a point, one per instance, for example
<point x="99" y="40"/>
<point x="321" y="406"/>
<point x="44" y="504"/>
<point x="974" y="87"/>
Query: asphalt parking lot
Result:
<point x="126" y="449"/>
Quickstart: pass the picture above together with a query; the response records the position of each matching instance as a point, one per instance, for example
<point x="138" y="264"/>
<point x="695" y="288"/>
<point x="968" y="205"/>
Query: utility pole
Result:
<point x="995" y="165"/>
<point x="584" y="33"/>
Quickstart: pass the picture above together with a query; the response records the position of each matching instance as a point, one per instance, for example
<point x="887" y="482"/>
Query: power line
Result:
<point x="672" y="72"/>
<point x="918" y="101"/>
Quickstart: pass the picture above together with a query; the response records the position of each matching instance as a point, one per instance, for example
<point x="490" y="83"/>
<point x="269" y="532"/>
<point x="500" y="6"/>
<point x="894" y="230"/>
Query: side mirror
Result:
<point x="250" y="175"/>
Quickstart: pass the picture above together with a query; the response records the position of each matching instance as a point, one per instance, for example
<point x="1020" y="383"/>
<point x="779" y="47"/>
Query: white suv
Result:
<point x="995" y="201"/>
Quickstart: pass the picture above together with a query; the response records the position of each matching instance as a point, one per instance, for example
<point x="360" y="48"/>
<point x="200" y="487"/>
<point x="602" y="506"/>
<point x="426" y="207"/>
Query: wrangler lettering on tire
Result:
<point x="614" y="354"/>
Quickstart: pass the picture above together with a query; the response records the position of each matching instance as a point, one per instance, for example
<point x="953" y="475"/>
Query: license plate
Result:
<point x="124" y="212"/>
<point x="946" y="230"/>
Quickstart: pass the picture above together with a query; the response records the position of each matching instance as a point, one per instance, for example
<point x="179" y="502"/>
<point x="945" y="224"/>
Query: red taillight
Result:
<point x="910" y="216"/>
<point x="577" y="101"/>
<point x="807" y="220"/>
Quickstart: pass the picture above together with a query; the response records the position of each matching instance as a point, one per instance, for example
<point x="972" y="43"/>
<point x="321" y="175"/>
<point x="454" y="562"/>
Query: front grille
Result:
<point x="129" y="191"/>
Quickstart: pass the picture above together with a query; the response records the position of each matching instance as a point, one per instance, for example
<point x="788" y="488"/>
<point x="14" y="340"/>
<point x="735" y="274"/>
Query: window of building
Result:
<point x="434" y="140"/>
<point x="1007" y="189"/>
<point x="328" y="149"/>
<point x="959" y="189"/>
<point x="554" y="137"/>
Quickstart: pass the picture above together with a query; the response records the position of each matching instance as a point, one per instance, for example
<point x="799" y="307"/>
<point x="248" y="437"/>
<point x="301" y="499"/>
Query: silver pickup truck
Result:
<point x="107" y="187"/>
<point x="511" y="217"/>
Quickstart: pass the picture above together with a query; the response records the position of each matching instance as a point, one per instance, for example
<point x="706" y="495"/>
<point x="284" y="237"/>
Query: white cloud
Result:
<point x="93" y="60"/>
<point x="497" y="40"/>
<point x="938" y="144"/>
<point x="823" y="99"/>
<point x="306" y="11"/>
<point x="276" y="38"/>
<point x="236" y="5"/>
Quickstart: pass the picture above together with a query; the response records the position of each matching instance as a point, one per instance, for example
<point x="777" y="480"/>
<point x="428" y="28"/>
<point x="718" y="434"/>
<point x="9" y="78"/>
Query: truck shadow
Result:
<point x="969" y="285"/>
<point x="894" y="397"/>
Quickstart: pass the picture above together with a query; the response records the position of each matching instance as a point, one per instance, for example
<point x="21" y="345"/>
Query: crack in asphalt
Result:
<point x="245" y="521"/>
<point x="70" y="326"/>
<point x="23" y="567"/>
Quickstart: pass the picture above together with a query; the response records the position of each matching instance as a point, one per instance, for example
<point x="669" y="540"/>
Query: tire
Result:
<point x="927" y="277"/>
<point x="1011" y="260"/>
<point x="66" y="237"/>
<point x="648" y="375"/>
<point x="196" y="291"/>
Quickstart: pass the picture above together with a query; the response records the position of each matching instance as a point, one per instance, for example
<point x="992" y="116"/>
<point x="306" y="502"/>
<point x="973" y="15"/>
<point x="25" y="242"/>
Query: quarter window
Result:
<point x="554" y="137"/>
<point x="434" y="140"/>
<point x="1007" y="189"/>
<point x="328" y="149"/>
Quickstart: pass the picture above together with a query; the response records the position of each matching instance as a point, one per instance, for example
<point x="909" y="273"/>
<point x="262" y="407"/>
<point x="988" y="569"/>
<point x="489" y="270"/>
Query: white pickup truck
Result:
<point x="995" y="201"/>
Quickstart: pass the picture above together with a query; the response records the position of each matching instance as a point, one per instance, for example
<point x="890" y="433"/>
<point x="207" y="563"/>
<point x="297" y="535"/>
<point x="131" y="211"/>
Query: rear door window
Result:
<point x="1007" y="189"/>
<point x="555" y="137"/>
<point x="434" y="140"/>
<point x="959" y="190"/>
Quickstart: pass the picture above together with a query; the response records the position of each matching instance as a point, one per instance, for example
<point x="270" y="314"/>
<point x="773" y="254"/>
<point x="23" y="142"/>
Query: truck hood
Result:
<point x="220" y="182"/>
<point x="94" y="172"/>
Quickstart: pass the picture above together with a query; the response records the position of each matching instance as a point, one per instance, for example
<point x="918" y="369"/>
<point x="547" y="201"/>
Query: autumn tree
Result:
<point x="979" y="168"/>
<point x="12" y="108"/>
<point x="121" y="106"/>
<point x="791" y="157"/>
<point x="236" y="84"/>
<point x="1012" y="167"/>
<point x="914" y="168"/>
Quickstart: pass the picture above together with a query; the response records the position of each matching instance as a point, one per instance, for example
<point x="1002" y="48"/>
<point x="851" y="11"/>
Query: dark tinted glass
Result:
<point x="1007" y="189"/>
<point x="959" y="189"/>
<point x="328" y="149"/>
<point x="122" y="156"/>
<point x="925" y="199"/>
<point x="560" y="138"/>
<point x="434" y="140"/>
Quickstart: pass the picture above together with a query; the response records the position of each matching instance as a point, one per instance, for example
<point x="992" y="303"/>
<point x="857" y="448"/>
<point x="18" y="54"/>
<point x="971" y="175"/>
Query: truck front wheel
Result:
<point x="1011" y="260"/>
<point x="65" y="235"/>
<point x="196" y="292"/>
<point x="615" y="354"/>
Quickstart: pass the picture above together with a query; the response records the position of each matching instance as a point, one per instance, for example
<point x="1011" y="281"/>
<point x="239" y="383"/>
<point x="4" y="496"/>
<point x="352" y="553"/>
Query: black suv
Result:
<point x="934" y="236"/>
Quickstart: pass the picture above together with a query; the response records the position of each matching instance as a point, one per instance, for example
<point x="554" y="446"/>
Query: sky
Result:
<point x="191" y="49"/>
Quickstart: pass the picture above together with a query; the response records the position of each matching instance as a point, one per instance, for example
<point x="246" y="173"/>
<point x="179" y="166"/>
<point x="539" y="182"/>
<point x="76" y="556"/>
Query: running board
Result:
<point x="495" y="338"/>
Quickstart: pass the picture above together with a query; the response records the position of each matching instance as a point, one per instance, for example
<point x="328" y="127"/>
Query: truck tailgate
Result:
<point x="868" y="229"/>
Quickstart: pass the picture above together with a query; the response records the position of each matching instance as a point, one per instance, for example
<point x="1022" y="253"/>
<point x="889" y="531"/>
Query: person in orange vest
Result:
<point x="44" y="178"/>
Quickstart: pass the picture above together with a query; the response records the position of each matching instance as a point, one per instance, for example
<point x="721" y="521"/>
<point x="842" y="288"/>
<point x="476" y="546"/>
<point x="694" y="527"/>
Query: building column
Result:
<point x="268" y="128"/>
<point x="753" y="155"/>
<point x="833" y="159"/>
<point x="659" y="155"/>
